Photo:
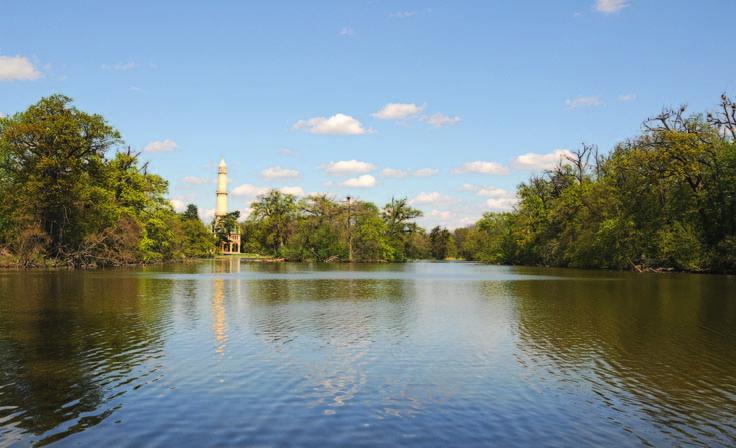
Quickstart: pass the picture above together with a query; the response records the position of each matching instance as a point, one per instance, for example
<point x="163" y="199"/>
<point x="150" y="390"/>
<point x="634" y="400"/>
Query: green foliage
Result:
<point x="65" y="203"/>
<point x="442" y="243"/>
<point x="318" y="228"/>
<point x="664" y="200"/>
<point x="224" y="226"/>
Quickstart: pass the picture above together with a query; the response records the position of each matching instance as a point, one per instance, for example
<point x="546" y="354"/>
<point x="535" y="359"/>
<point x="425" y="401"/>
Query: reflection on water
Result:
<point x="229" y="353"/>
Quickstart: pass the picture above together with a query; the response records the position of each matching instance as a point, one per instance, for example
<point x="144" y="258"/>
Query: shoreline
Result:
<point x="257" y="258"/>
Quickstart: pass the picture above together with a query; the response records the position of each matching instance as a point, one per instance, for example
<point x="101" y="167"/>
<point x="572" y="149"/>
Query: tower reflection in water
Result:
<point x="219" y="286"/>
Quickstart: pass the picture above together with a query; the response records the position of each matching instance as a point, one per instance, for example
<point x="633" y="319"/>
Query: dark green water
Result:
<point x="423" y="354"/>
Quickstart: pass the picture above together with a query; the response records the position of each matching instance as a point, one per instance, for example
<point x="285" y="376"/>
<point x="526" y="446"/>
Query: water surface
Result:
<point x="224" y="353"/>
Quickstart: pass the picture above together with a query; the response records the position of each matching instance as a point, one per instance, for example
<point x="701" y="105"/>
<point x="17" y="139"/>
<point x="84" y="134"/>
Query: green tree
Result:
<point x="400" y="226"/>
<point x="276" y="213"/>
<point x="441" y="241"/>
<point x="54" y="157"/>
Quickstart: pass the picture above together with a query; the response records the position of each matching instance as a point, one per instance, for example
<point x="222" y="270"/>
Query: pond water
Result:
<point x="229" y="353"/>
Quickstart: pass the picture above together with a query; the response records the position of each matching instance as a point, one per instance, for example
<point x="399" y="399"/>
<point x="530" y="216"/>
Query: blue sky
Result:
<point x="450" y="103"/>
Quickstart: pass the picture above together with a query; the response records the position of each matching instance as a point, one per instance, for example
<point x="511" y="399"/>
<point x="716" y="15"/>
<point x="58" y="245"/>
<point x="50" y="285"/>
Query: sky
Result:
<point x="449" y="103"/>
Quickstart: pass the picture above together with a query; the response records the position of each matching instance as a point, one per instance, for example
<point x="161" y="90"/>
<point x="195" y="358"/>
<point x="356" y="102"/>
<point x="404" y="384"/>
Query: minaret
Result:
<point x="221" y="205"/>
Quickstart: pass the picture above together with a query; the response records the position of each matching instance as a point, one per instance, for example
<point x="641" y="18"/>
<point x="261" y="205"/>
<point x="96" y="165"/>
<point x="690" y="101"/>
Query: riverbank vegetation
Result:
<point x="664" y="200"/>
<point x="67" y="201"/>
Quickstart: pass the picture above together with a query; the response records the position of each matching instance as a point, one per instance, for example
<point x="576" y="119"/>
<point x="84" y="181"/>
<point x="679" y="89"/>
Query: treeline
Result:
<point x="663" y="200"/>
<point x="318" y="228"/>
<point x="64" y="202"/>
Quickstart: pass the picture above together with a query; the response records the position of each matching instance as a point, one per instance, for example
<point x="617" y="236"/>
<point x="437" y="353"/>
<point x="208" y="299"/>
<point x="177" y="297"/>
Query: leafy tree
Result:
<point x="441" y="241"/>
<point x="53" y="155"/>
<point x="399" y="219"/>
<point x="276" y="212"/>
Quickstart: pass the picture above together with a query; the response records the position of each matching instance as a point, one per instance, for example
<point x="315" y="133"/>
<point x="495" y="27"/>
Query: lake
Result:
<point x="229" y="353"/>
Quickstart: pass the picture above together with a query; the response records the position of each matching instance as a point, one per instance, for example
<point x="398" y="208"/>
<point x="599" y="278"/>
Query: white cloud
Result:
<point x="17" y="68"/>
<point x="398" y="111"/>
<point x="194" y="180"/>
<point x="627" y="97"/>
<point x="501" y="203"/>
<point x="583" y="101"/>
<point x="425" y="172"/>
<point x="398" y="173"/>
<point x="207" y="213"/>
<point x="287" y="152"/>
<point x="481" y="167"/>
<point x="178" y="204"/>
<point x="2" y="115"/>
<point x="364" y="181"/>
<point x="120" y="66"/>
<point x="534" y="161"/>
<point x="346" y="31"/>
<point x="402" y="14"/>
<point x="249" y="190"/>
<point x="498" y="198"/>
<point x="296" y="191"/>
<point x="393" y="172"/>
<point x="276" y="172"/>
<point x="338" y="124"/>
<point x="438" y="120"/>
<point x="348" y="167"/>
<point x="160" y="146"/>
<point x="610" y="6"/>
<point x="440" y="214"/>
<point x="434" y="197"/>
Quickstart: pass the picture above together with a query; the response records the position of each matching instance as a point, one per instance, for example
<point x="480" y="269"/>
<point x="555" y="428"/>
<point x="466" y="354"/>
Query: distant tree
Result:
<point x="440" y="240"/>
<point x="276" y="213"/>
<point x="399" y="219"/>
<point x="191" y="212"/>
<point x="225" y="225"/>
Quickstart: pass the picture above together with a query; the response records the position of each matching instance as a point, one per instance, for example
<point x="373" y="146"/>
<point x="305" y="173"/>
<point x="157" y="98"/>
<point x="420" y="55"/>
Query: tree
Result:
<point x="398" y="217"/>
<point x="276" y="212"/>
<point x="191" y="213"/>
<point x="440" y="242"/>
<point x="54" y="157"/>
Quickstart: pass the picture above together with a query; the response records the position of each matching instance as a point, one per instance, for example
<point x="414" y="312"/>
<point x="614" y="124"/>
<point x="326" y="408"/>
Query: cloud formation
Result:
<point x="248" y="190"/>
<point x="434" y="197"/>
<point x="276" y="172"/>
<point x="17" y="68"/>
<point x="343" y="167"/>
<point x="398" y="111"/>
<point x="610" y="6"/>
<point x="338" y="124"/>
<point x="627" y="97"/>
<point x="439" y="120"/>
<point x="583" y="101"/>
<point x="160" y="146"/>
<point x="534" y="161"/>
<point x="398" y="173"/>
<point x="178" y="204"/>
<point x="364" y="181"/>
<point x="481" y="167"/>
<point x="295" y="191"/>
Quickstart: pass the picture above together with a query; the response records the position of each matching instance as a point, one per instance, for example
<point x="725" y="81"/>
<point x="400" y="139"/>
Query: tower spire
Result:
<point x="221" y="204"/>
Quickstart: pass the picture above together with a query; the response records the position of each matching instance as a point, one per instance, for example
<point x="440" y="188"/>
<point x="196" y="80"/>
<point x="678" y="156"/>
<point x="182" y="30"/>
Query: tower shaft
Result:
<point x="221" y="205"/>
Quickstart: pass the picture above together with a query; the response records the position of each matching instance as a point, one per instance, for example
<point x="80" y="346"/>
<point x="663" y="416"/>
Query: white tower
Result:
<point x="221" y="205"/>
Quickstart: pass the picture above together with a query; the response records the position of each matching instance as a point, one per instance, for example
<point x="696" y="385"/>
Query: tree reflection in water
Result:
<point x="74" y="337"/>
